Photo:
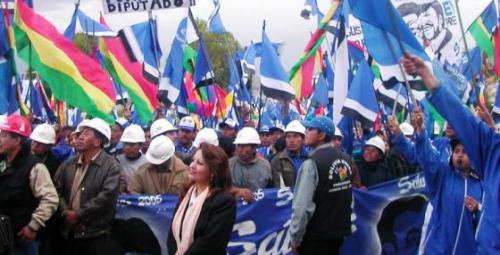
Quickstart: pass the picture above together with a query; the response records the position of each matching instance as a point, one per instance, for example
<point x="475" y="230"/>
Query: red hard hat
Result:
<point x="17" y="124"/>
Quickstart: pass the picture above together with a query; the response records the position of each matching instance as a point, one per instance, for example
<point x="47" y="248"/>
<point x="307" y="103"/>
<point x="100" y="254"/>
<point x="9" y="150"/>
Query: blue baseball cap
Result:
<point x="323" y="124"/>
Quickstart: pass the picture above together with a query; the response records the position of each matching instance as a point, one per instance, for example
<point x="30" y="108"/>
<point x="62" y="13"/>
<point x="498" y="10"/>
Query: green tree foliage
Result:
<point x="218" y="47"/>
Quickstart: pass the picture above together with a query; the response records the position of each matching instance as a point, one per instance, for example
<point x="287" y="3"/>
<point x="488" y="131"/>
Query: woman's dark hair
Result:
<point x="218" y="165"/>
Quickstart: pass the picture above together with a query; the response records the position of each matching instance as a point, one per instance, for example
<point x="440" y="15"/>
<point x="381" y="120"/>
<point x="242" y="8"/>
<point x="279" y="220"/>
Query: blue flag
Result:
<point x="274" y="80"/>
<point x="386" y="36"/>
<point x="361" y="102"/>
<point x="473" y="67"/>
<point x="4" y="39"/>
<point x="173" y="73"/>
<point x="88" y="25"/>
<point x="141" y="42"/>
<point x="203" y="75"/>
<point x="7" y="92"/>
<point x="320" y="93"/>
<point x="214" y="21"/>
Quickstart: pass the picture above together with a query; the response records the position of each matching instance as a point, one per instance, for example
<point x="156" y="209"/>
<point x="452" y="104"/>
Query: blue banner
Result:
<point x="387" y="217"/>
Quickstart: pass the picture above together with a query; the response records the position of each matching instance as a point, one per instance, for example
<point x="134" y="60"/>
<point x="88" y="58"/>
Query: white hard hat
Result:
<point x="121" y="121"/>
<point x="133" y="134"/>
<point x="81" y="125"/>
<point x="98" y="125"/>
<point x="338" y="133"/>
<point x="295" y="127"/>
<point x="160" y="150"/>
<point x="376" y="142"/>
<point x="406" y="129"/>
<point x="206" y="135"/>
<point x="228" y="122"/>
<point x="3" y="119"/>
<point x="44" y="133"/>
<point x="187" y="123"/>
<point x="247" y="135"/>
<point x="161" y="126"/>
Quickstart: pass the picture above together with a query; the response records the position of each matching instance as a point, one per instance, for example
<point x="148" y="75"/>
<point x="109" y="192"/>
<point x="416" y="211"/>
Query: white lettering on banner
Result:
<point x="285" y="193"/>
<point x="405" y="185"/>
<point x="149" y="200"/>
<point x="280" y="240"/>
<point x="258" y="196"/>
<point x="126" y="6"/>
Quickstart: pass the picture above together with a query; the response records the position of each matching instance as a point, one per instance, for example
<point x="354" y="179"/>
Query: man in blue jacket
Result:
<point x="481" y="144"/>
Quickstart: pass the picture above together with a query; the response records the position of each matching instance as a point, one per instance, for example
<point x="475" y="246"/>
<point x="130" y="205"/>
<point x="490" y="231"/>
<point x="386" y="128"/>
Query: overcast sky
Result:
<point x="243" y="18"/>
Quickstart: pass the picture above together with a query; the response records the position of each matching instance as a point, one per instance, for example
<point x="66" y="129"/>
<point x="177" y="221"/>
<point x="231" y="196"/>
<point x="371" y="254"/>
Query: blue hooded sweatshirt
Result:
<point x="482" y="145"/>
<point x="452" y="226"/>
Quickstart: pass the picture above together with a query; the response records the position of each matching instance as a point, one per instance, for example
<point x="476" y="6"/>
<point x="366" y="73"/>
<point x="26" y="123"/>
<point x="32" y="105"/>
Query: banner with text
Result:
<point x="126" y="6"/>
<point x="387" y="217"/>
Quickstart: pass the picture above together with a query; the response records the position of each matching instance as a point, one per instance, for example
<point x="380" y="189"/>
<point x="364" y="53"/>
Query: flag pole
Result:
<point x="466" y="46"/>
<point x="260" y="90"/>
<point x="393" y="53"/>
<point x="153" y="29"/>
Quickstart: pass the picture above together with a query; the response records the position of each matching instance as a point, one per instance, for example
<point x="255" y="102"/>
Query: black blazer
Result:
<point x="213" y="228"/>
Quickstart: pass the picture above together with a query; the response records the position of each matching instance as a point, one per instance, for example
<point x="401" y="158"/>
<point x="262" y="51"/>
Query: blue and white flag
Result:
<point x="274" y="80"/>
<point x="173" y="74"/>
<point x="320" y="93"/>
<point x="203" y="74"/>
<point x="361" y="102"/>
<point x="214" y="21"/>
<point x="82" y="22"/>
<point x="142" y="45"/>
<point x="389" y="96"/>
<point x="387" y="37"/>
<point x="8" y="95"/>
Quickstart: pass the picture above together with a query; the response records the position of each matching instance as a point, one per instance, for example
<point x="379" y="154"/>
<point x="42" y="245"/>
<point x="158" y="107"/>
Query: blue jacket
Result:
<point x="407" y="148"/>
<point x="452" y="227"/>
<point x="482" y="145"/>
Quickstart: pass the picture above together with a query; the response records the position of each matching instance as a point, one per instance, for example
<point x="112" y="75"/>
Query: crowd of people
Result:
<point x="59" y="186"/>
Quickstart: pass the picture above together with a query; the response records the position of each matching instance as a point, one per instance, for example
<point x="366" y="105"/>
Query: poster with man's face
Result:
<point x="434" y="23"/>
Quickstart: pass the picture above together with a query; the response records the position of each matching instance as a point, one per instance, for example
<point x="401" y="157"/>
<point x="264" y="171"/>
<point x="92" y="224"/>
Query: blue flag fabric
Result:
<point x="214" y="21"/>
<point x="382" y="25"/>
<point x="141" y="42"/>
<point x="386" y="36"/>
<point x="35" y="102"/>
<point x="396" y="207"/>
<point x="4" y="39"/>
<point x="473" y="67"/>
<point x="490" y="17"/>
<point x="173" y="74"/>
<point x="69" y="32"/>
<point x="320" y="93"/>
<point x="274" y="80"/>
<point x="6" y="89"/>
<point x="203" y="75"/>
<point x="361" y="102"/>
<point x="87" y="24"/>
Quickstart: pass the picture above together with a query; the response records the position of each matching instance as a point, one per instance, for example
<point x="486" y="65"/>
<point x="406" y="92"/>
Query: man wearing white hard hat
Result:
<point x="228" y="128"/>
<point x="88" y="186"/>
<point x="286" y="163"/>
<point x="164" y="173"/>
<point x="249" y="171"/>
<point x="131" y="158"/>
<point x="187" y="133"/>
<point x="372" y="167"/>
<point x="114" y="147"/>
<point x="163" y="127"/>
<point x="43" y="138"/>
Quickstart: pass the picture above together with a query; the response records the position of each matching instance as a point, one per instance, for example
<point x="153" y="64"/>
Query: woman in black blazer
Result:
<point x="206" y="211"/>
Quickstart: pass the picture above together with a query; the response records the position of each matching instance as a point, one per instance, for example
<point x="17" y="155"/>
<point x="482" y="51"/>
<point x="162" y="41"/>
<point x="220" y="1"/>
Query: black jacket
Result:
<point x="16" y="197"/>
<point x="213" y="228"/>
<point x="98" y="197"/>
